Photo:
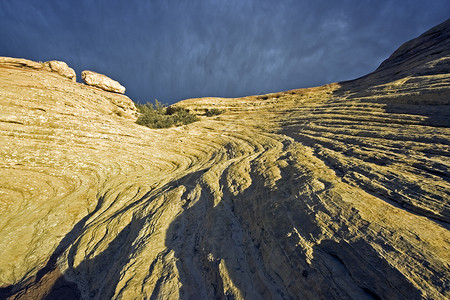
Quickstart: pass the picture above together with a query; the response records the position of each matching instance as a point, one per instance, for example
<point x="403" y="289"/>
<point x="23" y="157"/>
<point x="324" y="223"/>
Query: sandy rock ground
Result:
<point x="335" y="192"/>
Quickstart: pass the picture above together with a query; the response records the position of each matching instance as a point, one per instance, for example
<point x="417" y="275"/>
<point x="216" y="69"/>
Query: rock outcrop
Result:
<point x="423" y="55"/>
<point x="334" y="192"/>
<point x="102" y="81"/>
<point x="20" y="62"/>
<point x="61" y="68"/>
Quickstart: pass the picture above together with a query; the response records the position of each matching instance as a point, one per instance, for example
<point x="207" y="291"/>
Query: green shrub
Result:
<point x="158" y="115"/>
<point x="213" y="112"/>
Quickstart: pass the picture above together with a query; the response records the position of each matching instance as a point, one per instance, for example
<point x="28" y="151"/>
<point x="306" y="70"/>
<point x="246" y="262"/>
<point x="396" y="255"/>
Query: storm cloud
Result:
<point x="173" y="50"/>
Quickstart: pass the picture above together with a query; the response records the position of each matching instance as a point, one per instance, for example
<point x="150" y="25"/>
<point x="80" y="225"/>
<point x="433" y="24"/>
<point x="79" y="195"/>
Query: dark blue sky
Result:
<point x="173" y="50"/>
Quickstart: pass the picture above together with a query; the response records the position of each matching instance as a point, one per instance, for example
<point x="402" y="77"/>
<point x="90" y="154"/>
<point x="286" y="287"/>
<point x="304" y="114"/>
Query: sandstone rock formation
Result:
<point x="102" y="81"/>
<point x="20" y="62"/>
<point x="61" y="68"/>
<point x="421" y="56"/>
<point x="334" y="192"/>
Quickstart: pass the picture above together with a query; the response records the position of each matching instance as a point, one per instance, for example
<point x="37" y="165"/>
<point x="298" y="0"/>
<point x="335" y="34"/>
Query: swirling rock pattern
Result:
<point x="334" y="192"/>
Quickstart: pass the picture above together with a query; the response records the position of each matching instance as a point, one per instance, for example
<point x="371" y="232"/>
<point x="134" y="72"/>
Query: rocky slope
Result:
<point x="334" y="192"/>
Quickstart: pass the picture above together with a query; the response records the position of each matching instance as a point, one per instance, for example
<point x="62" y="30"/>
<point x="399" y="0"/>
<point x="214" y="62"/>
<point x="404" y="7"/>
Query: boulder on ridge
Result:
<point x="61" y="68"/>
<point x="101" y="81"/>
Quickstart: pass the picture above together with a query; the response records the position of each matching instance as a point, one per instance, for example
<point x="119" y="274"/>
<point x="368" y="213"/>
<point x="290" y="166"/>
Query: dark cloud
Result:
<point x="172" y="50"/>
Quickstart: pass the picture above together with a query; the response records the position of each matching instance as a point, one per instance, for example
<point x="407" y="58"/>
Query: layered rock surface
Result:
<point x="61" y="68"/>
<point x="334" y="192"/>
<point x="57" y="66"/>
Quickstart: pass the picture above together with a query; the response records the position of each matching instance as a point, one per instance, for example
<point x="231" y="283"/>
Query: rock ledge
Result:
<point x="102" y="81"/>
<point x="61" y="68"/>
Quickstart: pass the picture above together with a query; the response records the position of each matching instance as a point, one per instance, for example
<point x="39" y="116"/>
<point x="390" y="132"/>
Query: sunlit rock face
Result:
<point x="61" y="68"/>
<point x="20" y="62"/>
<point x="333" y="192"/>
<point x="102" y="81"/>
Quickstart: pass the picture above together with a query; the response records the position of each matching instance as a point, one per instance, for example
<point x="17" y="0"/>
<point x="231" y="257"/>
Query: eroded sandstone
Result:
<point x="62" y="69"/>
<point x="333" y="192"/>
<point x="102" y="81"/>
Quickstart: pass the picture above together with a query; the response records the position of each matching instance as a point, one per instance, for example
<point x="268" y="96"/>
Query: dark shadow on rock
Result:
<point x="36" y="281"/>
<point x="244" y="233"/>
<point x="357" y="271"/>
<point x="109" y="263"/>
<point x="63" y="289"/>
<point x="49" y="283"/>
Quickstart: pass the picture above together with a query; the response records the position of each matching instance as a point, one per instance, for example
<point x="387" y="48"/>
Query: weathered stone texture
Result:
<point x="62" y="69"/>
<point x="102" y="81"/>
<point x="334" y="192"/>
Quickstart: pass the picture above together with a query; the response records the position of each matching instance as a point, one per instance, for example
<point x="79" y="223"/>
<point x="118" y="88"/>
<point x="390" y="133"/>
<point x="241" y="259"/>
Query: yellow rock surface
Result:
<point x="334" y="192"/>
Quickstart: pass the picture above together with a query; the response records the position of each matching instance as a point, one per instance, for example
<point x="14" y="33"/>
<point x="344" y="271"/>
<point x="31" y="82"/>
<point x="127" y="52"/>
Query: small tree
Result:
<point x="158" y="115"/>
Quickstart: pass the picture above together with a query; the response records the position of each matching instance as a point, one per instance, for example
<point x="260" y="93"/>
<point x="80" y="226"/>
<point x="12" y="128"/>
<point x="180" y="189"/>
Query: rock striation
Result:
<point x="61" y="68"/>
<point x="20" y="62"/>
<point x="102" y="81"/>
<point x="426" y="54"/>
<point x="334" y="192"/>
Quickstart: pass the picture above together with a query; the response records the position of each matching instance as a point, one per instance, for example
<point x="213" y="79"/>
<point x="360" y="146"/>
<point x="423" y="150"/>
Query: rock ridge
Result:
<point x="413" y="57"/>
